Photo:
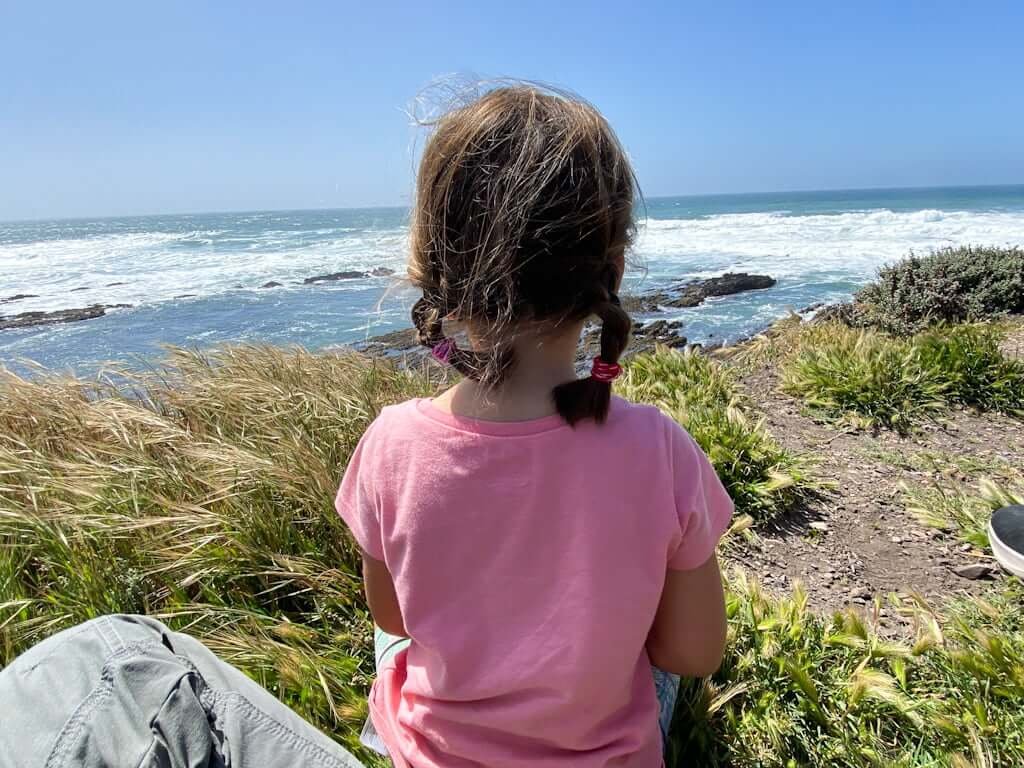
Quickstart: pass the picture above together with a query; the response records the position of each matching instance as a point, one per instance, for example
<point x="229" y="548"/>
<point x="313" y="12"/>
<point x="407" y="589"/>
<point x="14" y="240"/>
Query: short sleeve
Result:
<point x="703" y="505"/>
<point x="357" y="501"/>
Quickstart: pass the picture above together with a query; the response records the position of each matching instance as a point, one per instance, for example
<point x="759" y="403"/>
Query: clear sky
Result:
<point x="143" y="107"/>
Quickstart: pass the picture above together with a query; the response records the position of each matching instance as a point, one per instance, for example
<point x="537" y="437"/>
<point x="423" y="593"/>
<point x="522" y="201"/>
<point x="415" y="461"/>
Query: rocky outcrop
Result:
<point x="646" y="335"/>
<point x="693" y="293"/>
<point x="665" y="332"/>
<point x="271" y="284"/>
<point x="348" y="275"/>
<point x="328" y="278"/>
<point x="18" y="297"/>
<point x="640" y="304"/>
<point x="32" y="319"/>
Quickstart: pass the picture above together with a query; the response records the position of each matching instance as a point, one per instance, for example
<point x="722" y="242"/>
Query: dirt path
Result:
<point x="856" y="541"/>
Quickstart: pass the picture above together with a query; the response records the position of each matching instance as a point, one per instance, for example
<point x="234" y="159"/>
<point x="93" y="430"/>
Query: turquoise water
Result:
<point x="194" y="280"/>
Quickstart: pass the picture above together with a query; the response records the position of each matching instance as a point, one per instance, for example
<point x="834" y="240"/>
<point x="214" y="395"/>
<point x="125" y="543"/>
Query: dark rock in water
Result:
<point x="382" y="272"/>
<point x="31" y="319"/>
<point x="114" y="285"/>
<point x="657" y="328"/>
<point x="334" y="276"/>
<point x="80" y="288"/>
<point x="694" y="293"/>
<point x="812" y="308"/>
<point x="646" y="336"/>
<point x="271" y="284"/>
<point x="19" y="297"/>
<point x="639" y="304"/>
<point x="664" y="332"/>
<point x="185" y="296"/>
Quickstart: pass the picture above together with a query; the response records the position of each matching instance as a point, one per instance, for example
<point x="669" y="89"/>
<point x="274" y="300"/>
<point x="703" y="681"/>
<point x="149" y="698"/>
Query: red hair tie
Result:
<point x="605" y="372"/>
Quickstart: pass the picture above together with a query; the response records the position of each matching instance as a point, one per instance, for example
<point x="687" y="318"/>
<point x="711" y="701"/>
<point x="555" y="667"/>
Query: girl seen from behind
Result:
<point x="531" y="544"/>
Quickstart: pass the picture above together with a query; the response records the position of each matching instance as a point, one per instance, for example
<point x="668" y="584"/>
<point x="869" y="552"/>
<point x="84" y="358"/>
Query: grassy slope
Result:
<point x="204" y="498"/>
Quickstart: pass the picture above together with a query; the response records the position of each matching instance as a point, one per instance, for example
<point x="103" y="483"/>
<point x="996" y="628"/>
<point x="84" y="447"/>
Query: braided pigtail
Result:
<point x="487" y="368"/>
<point x="590" y="398"/>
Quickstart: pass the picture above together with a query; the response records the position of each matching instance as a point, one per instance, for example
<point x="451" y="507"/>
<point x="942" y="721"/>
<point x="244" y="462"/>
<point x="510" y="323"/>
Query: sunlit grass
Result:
<point x="801" y="690"/>
<point x="202" y="495"/>
<point x="870" y="379"/>
<point x="964" y="511"/>
<point x="763" y="478"/>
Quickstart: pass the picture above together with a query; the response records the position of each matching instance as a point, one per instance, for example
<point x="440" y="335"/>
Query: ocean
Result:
<point x="195" y="280"/>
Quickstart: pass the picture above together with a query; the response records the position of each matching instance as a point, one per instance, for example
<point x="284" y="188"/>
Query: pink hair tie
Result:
<point x="605" y="372"/>
<point x="442" y="351"/>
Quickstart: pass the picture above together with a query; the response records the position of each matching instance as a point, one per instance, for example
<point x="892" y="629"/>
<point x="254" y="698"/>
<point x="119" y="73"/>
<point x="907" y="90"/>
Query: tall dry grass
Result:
<point x="199" y="494"/>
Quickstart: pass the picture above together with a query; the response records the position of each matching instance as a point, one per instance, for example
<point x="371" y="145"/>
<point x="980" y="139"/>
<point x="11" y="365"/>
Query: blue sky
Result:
<point x="118" y="108"/>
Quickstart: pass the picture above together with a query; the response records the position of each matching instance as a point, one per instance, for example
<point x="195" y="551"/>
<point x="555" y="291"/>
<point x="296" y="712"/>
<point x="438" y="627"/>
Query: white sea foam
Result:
<point x="154" y="267"/>
<point x="849" y="246"/>
<point x="159" y="266"/>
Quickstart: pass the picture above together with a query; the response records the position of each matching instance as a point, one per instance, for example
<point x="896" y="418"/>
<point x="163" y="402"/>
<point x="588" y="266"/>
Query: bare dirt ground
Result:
<point x="856" y="541"/>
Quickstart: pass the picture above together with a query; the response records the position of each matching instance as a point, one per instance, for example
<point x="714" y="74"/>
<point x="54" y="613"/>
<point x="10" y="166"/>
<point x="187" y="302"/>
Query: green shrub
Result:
<point x="762" y="478"/>
<point x="968" y="360"/>
<point x="872" y="379"/>
<point x="951" y="285"/>
<point x="864" y="377"/>
<point x="796" y="689"/>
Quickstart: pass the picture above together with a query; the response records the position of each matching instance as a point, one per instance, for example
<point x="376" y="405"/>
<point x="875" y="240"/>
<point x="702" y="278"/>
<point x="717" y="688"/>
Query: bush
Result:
<point x="951" y="285"/>
<point x="762" y="478"/>
<point x="864" y="377"/>
<point x="872" y="379"/>
<point x="969" y="362"/>
<point x="799" y="690"/>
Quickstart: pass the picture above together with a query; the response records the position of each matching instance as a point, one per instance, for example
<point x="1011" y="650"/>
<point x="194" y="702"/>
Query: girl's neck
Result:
<point x="541" y="364"/>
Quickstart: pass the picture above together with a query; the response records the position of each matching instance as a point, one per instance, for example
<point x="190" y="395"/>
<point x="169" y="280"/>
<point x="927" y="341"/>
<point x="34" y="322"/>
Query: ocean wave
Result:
<point x="147" y="267"/>
<point x="852" y="244"/>
<point x="143" y="268"/>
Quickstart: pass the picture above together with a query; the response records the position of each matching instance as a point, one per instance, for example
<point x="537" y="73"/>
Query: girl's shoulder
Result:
<point x="395" y="420"/>
<point x="654" y="434"/>
<point x="641" y="417"/>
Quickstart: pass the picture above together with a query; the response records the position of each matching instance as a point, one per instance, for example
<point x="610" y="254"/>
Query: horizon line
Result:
<point x="688" y="196"/>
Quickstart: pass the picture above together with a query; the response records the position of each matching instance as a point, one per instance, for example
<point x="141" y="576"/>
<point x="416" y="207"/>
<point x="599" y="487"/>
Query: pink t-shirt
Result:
<point x="528" y="559"/>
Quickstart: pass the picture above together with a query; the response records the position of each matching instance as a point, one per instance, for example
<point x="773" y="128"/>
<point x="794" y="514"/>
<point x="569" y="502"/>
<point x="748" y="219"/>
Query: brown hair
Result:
<point x="524" y="210"/>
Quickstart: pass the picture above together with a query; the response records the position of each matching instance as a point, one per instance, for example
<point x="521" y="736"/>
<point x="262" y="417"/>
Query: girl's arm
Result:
<point x="688" y="635"/>
<point x="380" y="594"/>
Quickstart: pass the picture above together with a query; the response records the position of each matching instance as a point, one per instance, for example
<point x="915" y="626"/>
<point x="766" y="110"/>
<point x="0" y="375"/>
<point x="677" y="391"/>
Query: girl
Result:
<point x="531" y="545"/>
